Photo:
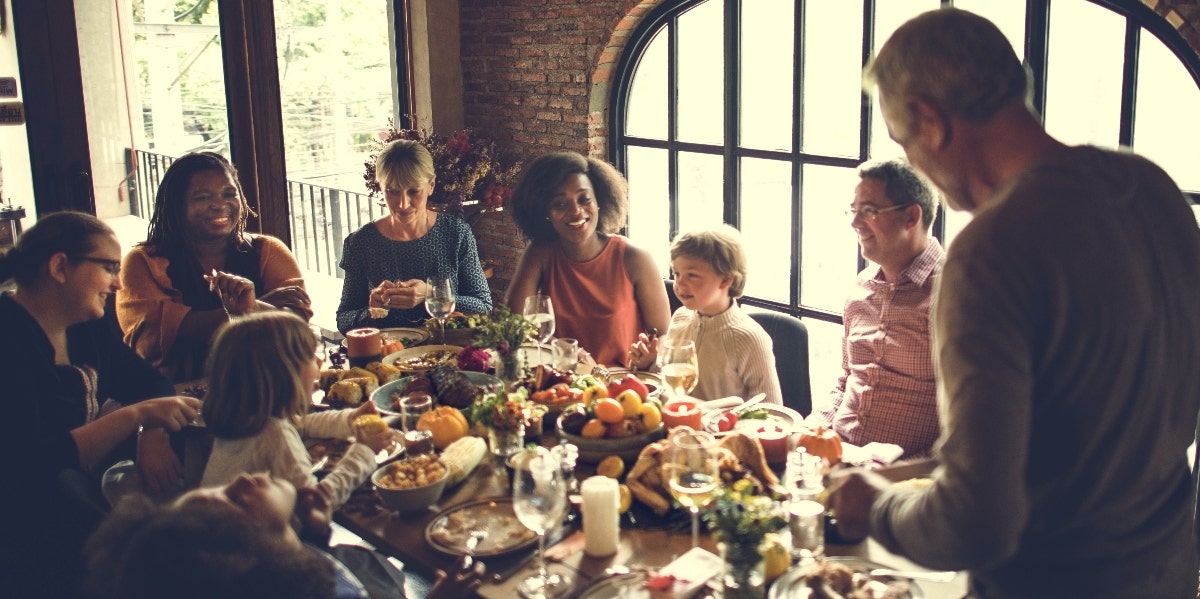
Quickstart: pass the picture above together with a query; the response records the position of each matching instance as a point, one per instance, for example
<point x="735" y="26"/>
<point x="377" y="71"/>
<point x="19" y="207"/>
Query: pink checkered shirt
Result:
<point x="887" y="391"/>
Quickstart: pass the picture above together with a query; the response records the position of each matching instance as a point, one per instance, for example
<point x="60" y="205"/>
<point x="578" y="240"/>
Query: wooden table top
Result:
<point x="645" y="543"/>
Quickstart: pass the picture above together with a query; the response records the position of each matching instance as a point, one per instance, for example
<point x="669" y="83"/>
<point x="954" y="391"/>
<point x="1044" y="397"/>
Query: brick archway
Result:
<point x="602" y="74"/>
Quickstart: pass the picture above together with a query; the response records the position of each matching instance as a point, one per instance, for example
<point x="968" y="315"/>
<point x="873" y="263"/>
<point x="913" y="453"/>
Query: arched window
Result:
<point x="751" y="112"/>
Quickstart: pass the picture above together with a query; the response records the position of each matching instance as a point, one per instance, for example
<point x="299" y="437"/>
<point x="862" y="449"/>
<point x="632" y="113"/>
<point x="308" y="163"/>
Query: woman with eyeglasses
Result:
<point x="72" y="393"/>
<point x="199" y="266"/>
<point x="605" y="290"/>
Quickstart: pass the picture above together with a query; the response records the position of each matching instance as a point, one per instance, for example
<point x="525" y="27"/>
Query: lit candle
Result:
<point x="364" y="343"/>
<point x="601" y="515"/>
<point x="682" y="413"/>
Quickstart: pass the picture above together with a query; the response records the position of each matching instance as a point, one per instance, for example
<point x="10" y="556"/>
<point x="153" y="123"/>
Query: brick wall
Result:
<point x="536" y="75"/>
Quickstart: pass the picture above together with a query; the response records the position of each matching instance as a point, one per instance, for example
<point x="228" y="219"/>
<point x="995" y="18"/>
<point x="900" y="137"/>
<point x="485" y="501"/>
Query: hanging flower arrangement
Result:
<point x="470" y="170"/>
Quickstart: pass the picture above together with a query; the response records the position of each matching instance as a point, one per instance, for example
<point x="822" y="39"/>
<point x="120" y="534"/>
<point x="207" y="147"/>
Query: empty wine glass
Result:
<point x="540" y="501"/>
<point x="677" y="360"/>
<point x="691" y="472"/>
<point x="440" y="302"/>
<point x="540" y="311"/>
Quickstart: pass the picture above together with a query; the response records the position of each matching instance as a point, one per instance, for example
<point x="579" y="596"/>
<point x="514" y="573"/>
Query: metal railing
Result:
<point x="321" y="217"/>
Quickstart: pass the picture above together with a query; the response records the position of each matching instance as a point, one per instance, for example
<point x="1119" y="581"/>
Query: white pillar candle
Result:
<point x="601" y="517"/>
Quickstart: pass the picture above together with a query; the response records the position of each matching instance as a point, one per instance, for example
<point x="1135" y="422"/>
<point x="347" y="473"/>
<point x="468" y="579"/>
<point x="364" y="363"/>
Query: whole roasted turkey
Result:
<point x="738" y="456"/>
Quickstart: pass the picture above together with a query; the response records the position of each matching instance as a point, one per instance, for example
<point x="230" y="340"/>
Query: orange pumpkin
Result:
<point x="446" y="424"/>
<point x="822" y="442"/>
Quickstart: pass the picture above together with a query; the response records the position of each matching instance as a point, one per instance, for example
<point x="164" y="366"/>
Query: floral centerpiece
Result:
<point x="504" y="332"/>
<point x="505" y="415"/>
<point x="739" y="520"/>
<point x="470" y="170"/>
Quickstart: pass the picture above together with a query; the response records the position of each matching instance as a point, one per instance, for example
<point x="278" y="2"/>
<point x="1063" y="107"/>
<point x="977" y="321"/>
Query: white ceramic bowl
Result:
<point x="411" y="500"/>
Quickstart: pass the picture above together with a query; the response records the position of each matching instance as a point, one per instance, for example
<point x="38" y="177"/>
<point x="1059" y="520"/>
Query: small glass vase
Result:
<point x="743" y="576"/>
<point x="503" y="442"/>
<point x="507" y="368"/>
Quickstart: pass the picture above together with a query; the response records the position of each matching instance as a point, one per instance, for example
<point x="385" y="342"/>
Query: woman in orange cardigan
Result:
<point x="199" y="266"/>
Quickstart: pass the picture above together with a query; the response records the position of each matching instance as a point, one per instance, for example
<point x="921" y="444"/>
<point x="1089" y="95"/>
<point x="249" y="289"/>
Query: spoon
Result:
<point x="914" y="575"/>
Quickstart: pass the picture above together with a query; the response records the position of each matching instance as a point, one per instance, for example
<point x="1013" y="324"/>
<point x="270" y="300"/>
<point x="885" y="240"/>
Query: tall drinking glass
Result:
<point x="440" y="302"/>
<point x="677" y="361"/>
<point x="412" y="407"/>
<point x="691" y="472"/>
<point x="540" y="311"/>
<point x="540" y="501"/>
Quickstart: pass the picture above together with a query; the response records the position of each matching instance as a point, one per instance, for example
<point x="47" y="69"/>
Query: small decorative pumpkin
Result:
<point x="446" y="424"/>
<point x="824" y="443"/>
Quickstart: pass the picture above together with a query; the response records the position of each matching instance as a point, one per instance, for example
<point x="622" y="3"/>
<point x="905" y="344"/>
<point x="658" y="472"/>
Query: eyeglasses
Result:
<point x="869" y="212"/>
<point x="112" y="267"/>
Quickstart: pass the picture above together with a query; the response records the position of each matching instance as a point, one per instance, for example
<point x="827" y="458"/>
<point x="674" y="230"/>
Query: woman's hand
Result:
<point x="158" y="466"/>
<point x="236" y="293"/>
<point x="466" y="578"/>
<point x="292" y="298"/>
<point x="643" y="352"/>
<point x="171" y="413"/>
<point x="401" y="295"/>
<point x="314" y="510"/>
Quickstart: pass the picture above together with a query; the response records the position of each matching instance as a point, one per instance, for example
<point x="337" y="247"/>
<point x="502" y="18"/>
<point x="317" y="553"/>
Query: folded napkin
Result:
<point x="871" y="454"/>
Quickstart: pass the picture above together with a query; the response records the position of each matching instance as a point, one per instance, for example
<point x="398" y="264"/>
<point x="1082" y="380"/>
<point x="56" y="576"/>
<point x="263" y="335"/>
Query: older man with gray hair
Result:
<point x="1066" y="341"/>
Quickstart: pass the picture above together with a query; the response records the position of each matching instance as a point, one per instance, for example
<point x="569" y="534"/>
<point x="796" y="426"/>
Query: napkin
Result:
<point x="871" y="454"/>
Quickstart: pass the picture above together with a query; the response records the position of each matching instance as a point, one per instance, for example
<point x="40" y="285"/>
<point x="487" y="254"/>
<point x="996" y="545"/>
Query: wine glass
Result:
<point x="540" y="310"/>
<point x="440" y="302"/>
<point x="677" y="361"/>
<point x="540" y="501"/>
<point x="691" y="472"/>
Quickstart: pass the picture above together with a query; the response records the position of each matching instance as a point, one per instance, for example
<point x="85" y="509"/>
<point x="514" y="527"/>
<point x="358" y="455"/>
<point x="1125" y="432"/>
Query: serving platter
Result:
<point x="449" y="530"/>
<point x="794" y="584"/>
<point x="403" y="358"/>
<point x="786" y="417"/>
<point x="382" y="397"/>
<point x="409" y="336"/>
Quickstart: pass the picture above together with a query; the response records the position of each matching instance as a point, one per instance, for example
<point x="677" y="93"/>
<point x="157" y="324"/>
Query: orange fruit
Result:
<point x="609" y="410"/>
<point x="612" y="466"/>
<point x="593" y="429"/>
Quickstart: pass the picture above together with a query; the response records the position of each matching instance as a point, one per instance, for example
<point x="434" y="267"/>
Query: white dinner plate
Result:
<point x="793" y="585"/>
<point x="409" y="336"/>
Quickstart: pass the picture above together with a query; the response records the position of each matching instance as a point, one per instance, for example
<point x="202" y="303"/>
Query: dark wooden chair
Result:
<point x="790" y="339"/>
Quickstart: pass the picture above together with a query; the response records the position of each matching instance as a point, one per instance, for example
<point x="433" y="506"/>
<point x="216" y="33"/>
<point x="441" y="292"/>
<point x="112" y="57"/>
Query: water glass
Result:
<point x="806" y="519"/>
<point x="416" y="441"/>
<point x="566" y="353"/>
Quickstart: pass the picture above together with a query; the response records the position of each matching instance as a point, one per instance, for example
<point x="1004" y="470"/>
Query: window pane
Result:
<point x="700" y="195"/>
<point x="332" y="114"/>
<point x="832" y="78"/>
<point x="766" y="219"/>
<point x="1167" y="137"/>
<point x="828" y="247"/>
<point x="647" y="115"/>
<point x="888" y="17"/>
<point x="766" y="73"/>
<point x="1008" y="16"/>
<point x="701" y="67"/>
<point x="182" y="81"/>
<point x="1083" y="79"/>
<point x="649" y="215"/>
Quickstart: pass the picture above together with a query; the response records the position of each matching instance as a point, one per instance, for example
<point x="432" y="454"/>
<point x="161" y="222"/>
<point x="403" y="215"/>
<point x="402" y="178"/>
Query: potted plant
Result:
<point x="739" y="520"/>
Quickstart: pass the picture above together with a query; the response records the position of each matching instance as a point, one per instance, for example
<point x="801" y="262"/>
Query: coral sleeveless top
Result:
<point x="594" y="301"/>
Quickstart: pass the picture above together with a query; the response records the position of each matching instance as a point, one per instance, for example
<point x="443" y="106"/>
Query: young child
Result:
<point x="262" y="369"/>
<point x="733" y="351"/>
<point x="254" y="537"/>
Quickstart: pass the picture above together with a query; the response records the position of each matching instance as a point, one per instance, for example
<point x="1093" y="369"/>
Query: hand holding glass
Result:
<point x="440" y="301"/>
<point x="540" y="501"/>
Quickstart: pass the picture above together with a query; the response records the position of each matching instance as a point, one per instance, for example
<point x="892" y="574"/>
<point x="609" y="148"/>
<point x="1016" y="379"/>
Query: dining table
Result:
<point x="647" y="542"/>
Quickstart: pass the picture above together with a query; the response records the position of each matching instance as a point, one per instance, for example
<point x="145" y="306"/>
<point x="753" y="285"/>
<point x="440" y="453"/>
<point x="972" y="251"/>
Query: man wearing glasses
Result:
<point x="1066" y="339"/>
<point x="886" y="392"/>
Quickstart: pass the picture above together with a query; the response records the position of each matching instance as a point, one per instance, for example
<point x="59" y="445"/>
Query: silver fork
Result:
<point x="476" y="534"/>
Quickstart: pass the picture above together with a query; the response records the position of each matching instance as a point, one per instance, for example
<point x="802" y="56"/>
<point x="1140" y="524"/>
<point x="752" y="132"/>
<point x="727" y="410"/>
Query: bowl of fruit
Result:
<point x="610" y="420"/>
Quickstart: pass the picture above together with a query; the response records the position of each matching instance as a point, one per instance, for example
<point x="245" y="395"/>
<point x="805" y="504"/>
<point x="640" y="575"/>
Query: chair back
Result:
<point x="672" y="299"/>
<point x="789" y="337"/>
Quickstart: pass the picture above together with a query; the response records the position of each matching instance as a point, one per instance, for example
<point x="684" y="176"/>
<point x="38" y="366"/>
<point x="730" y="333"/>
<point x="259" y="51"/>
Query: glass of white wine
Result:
<point x="677" y="362"/>
<point x="691" y="472"/>
<point x="440" y="301"/>
<point x="540" y="502"/>
<point x="540" y="311"/>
